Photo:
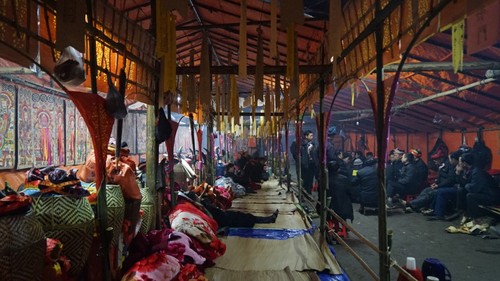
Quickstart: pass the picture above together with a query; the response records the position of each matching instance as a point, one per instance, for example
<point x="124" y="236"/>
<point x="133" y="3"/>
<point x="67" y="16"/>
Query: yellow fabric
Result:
<point x="457" y="47"/>
<point x="205" y="76"/>
<point x="217" y="103"/>
<point x="259" y="68"/>
<point x="290" y="51"/>
<point x="352" y="94"/>
<point x="184" y="94"/>
<point x="274" y="29"/>
<point x="242" y="66"/>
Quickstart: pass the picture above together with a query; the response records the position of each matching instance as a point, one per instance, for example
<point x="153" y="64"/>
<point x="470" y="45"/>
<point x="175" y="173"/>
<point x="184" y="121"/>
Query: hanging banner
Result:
<point x="483" y="28"/>
<point x="205" y="76"/>
<point x="242" y="66"/>
<point x="259" y="68"/>
<point x="457" y="47"/>
<point x="70" y="25"/>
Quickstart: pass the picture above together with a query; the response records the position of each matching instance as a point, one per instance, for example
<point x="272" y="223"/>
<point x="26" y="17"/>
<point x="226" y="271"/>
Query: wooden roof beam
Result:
<point x="268" y="69"/>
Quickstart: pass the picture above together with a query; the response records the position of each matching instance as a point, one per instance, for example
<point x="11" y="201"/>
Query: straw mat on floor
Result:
<point x="273" y="275"/>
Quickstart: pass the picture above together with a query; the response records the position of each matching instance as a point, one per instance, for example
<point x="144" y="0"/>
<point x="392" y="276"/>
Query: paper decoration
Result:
<point x="192" y="97"/>
<point x="184" y="94"/>
<point x="205" y="76"/>
<point x="259" y="69"/>
<point x="274" y="30"/>
<point x="291" y="52"/>
<point x="70" y="24"/>
<point x="483" y="27"/>
<point x="217" y="103"/>
<point x="457" y="47"/>
<point x="291" y="12"/>
<point x="242" y="66"/>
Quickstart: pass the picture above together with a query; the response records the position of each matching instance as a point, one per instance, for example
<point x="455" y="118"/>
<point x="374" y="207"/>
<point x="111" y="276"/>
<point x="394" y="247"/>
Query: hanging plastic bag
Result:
<point x="115" y="102"/>
<point x="69" y="69"/>
<point x="163" y="127"/>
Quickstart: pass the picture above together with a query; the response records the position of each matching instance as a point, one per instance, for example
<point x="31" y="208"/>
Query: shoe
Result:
<point x="454" y="216"/>
<point x="428" y="212"/>
<point x="435" y="218"/>
<point x="408" y="210"/>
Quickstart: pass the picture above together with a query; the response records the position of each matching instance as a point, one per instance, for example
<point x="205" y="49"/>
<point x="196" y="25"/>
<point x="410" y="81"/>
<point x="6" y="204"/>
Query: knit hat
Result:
<point x="357" y="162"/>
<point x="468" y="158"/>
<point x="332" y="131"/>
<point x="398" y="151"/>
<point x="456" y="154"/>
<point x="416" y="152"/>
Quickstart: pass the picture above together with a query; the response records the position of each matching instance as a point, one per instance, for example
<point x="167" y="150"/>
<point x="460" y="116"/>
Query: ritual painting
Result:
<point x="26" y="149"/>
<point x="82" y="140"/>
<point x="7" y="126"/>
<point x="141" y="133"/>
<point x="70" y="133"/>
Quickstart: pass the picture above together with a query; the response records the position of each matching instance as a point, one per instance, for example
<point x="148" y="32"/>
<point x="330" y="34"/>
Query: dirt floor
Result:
<point x="467" y="257"/>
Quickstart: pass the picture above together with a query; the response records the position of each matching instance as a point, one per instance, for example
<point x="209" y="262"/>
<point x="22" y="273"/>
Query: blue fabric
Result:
<point x="259" y="233"/>
<point x="325" y="276"/>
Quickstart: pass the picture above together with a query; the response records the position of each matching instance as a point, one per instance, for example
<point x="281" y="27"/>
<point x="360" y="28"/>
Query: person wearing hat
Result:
<point x="479" y="189"/>
<point x="446" y="190"/>
<point x="406" y="183"/>
<point x="309" y="161"/>
<point x="421" y="169"/>
<point x="394" y="166"/>
<point x="445" y="179"/>
<point x="366" y="181"/>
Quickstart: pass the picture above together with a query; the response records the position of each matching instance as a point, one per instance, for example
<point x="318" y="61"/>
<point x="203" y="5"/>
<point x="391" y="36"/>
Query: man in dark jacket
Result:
<point x="422" y="171"/>
<point x="367" y="180"/>
<point x="340" y="191"/>
<point x="406" y="183"/>
<point x="309" y="161"/>
<point x="446" y="178"/>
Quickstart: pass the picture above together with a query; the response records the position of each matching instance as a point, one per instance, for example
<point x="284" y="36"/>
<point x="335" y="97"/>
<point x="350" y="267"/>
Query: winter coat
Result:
<point x="340" y="191"/>
<point x="367" y="180"/>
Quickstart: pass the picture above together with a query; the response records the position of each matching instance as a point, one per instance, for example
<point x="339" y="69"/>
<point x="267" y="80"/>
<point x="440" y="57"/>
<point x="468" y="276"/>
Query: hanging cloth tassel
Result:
<point x="274" y="29"/>
<point x="352" y="94"/>
<point x="217" y="103"/>
<point x="191" y="86"/>
<point x="235" y="103"/>
<point x="267" y="105"/>
<point x="259" y="68"/>
<point x="334" y="33"/>
<point x="184" y="94"/>
<point x="205" y="76"/>
<point x="170" y="65"/>
<point x="290" y="58"/>
<point x="277" y="92"/>
<point x="242" y="67"/>
<point x="161" y="28"/>
<point x="457" y="47"/>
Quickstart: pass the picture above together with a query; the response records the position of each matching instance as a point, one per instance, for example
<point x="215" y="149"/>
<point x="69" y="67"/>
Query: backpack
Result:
<point x="434" y="267"/>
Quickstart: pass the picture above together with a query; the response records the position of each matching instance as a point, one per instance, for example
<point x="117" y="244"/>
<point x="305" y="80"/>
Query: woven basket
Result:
<point x="115" y="210"/>
<point x="22" y="248"/>
<point x="71" y="221"/>
<point x="147" y="206"/>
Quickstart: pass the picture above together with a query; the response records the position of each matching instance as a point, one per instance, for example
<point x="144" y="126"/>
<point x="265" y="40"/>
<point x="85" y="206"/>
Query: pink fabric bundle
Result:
<point x="158" y="266"/>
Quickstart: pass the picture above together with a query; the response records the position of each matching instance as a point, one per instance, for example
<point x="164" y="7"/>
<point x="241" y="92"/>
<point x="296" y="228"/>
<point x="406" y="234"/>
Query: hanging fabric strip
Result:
<point x="242" y="69"/>
<point x="290" y="52"/>
<point x="457" y="47"/>
<point x="277" y="86"/>
<point x="192" y="86"/>
<point x="184" y="94"/>
<point x="259" y="68"/>
<point x="352" y="94"/>
<point x="217" y="103"/>
<point x="205" y="76"/>
<point x="334" y="33"/>
<point x="267" y="105"/>
<point x="161" y="28"/>
<point x="235" y="103"/>
<point x="274" y="29"/>
<point x="170" y="64"/>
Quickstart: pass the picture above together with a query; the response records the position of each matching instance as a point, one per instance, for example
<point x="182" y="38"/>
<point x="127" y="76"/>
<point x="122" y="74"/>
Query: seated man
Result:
<point x="446" y="178"/>
<point x="367" y="180"/>
<point x="406" y="183"/>
<point x="239" y="178"/>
